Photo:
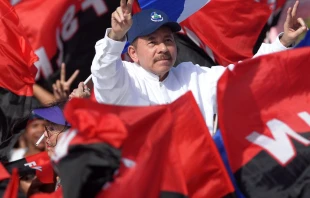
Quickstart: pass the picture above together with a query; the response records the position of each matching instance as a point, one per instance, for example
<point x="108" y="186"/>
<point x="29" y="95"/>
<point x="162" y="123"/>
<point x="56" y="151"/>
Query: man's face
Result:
<point x="155" y="52"/>
<point x="52" y="134"/>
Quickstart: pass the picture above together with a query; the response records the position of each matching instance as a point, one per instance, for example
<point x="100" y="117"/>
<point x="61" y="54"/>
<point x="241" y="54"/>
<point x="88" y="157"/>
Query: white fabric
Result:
<point x="124" y="83"/>
<point x="17" y="154"/>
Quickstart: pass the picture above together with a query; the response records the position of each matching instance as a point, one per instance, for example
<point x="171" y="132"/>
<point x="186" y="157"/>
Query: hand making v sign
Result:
<point x="121" y="20"/>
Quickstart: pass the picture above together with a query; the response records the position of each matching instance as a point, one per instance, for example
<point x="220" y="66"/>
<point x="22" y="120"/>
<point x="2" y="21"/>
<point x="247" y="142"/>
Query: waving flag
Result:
<point x="12" y="188"/>
<point x="178" y="10"/>
<point x="226" y="30"/>
<point x="264" y="115"/>
<point x="17" y="78"/>
<point x="163" y="154"/>
<point x="64" y="31"/>
<point x="38" y="164"/>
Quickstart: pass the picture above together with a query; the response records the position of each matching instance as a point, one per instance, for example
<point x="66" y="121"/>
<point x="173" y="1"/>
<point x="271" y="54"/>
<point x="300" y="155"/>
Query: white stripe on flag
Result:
<point x="190" y="7"/>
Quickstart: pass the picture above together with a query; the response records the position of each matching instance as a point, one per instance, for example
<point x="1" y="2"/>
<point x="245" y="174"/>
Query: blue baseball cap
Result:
<point x="148" y="21"/>
<point x="53" y="114"/>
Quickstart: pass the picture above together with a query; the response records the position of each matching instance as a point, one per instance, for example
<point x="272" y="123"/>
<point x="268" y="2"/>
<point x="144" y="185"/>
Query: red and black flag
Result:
<point x="17" y="78"/>
<point x="64" y="31"/>
<point x="38" y="165"/>
<point x="264" y="116"/>
<point x="151" y="151"/>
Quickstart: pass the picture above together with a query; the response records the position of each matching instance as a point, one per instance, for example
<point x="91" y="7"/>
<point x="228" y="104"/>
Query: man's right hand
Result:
<point x="121" y="20"/>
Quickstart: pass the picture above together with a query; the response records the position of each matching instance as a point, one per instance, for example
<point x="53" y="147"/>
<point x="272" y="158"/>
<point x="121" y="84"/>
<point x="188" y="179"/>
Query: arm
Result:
<point x="293" y="28"/>
<point x="109" y="74"/>
<point x="44" y="96"/>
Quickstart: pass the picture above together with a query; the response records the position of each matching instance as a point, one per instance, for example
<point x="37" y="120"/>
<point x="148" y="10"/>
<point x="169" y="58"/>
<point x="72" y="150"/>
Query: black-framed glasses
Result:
<point x="54" y="129"/>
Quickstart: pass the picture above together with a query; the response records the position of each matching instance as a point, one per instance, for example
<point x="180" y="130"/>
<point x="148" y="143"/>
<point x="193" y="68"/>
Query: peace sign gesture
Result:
<point x="121" y="20"/>
<point x="61" y="88"/>
<point x="293" y="26"/>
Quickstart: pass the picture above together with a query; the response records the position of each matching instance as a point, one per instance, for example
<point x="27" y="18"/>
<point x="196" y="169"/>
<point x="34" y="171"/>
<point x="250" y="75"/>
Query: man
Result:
<point x="55" y="126"/>
<point x="151" y="79"/>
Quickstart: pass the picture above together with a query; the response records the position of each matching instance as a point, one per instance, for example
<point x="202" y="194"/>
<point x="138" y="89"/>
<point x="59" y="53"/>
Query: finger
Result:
<point x="288" y="14"/>
<point x="72" y="77"/>
<point x="116" y="17"/>
<point x="55" y="92"/>
<point x="86" y="89"/>
<point x="81" y="87"/>
<point x="127" y="17"/>
<point x="58" y="85"/>
<point x="71" y="96"/>
<point x="123" y="4"/>
<point x="63" y="72"/>
<point x="302" y="23"/>
<point x="60" y="88"/>
<point x="303" y="28"/>
<point x="295" y="7"/>
<point x="129" y="6"/>
<point x="120" y="13"/>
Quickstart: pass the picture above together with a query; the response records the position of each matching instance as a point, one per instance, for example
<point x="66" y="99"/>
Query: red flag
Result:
<point x="64" y="31"/>
<point x="16" y="50"/>
<point x="17" y="78"/>
<point x="264" y="115"/>
<point x="38" y="164"/>
<point x="229" y="28"/>
<point x="3" y="173"/>
<point x="12" y="188"/>
<point x="164" y="152"/>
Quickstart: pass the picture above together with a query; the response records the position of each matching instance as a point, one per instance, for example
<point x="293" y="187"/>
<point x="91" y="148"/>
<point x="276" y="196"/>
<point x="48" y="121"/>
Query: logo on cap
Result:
<point x="156" y="17"/>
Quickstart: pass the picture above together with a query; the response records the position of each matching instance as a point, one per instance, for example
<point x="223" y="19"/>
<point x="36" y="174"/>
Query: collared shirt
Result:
<point x="125" y="83"/>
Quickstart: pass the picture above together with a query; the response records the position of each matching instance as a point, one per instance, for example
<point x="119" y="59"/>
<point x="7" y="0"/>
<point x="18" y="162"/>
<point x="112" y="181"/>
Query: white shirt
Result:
<point x="125" y="83"/>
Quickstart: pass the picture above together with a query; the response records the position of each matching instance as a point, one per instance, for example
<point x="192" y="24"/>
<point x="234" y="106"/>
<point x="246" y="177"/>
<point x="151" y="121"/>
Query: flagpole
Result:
<point x="86" y="81"/>
<point x="215" y="124"/>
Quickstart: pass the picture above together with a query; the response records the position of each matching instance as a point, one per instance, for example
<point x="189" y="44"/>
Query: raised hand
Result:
<point x="121" y="20"/>
<point x="293" y="26"/>
<point x="61" y="88"/>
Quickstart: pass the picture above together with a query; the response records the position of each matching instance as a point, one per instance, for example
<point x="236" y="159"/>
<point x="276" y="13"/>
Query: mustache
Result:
<point x="166" y="56"/>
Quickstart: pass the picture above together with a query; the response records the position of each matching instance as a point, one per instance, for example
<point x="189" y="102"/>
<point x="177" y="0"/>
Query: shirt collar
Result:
<point x="149" y="75"/>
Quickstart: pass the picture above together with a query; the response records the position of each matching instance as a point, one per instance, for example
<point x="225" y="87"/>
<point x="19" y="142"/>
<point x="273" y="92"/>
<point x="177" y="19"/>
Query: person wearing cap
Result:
<point x="55" y="126"/>
<point x="151" y="79"/>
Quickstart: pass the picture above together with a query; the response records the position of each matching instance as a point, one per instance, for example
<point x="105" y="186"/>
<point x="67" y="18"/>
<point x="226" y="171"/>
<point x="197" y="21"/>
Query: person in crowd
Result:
<point x="31" y="134"/>
<point x="55" y="125"/>
<point x="151" y="79"/>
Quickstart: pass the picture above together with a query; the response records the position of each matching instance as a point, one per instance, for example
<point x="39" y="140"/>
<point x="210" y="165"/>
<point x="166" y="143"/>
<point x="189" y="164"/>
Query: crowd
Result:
<point x="151" y="78"/>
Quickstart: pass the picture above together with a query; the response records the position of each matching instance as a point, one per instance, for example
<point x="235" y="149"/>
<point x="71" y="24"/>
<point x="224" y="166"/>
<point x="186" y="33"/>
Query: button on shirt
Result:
<point x="125" y="83"/>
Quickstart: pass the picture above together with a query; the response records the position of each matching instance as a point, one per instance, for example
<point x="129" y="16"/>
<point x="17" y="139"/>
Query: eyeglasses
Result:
<point x="53" y="129"/>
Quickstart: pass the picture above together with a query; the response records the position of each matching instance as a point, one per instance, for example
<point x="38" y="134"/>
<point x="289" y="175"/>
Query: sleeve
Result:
<point x="109" y="75"/>
<point x="276" y="46"/>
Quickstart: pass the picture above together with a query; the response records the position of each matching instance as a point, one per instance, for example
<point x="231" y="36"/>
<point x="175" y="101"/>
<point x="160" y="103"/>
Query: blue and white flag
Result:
<point x="177" y="10"/>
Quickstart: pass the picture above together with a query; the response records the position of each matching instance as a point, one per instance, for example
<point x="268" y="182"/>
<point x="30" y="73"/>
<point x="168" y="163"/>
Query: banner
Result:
<point x="264" y="116"/>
